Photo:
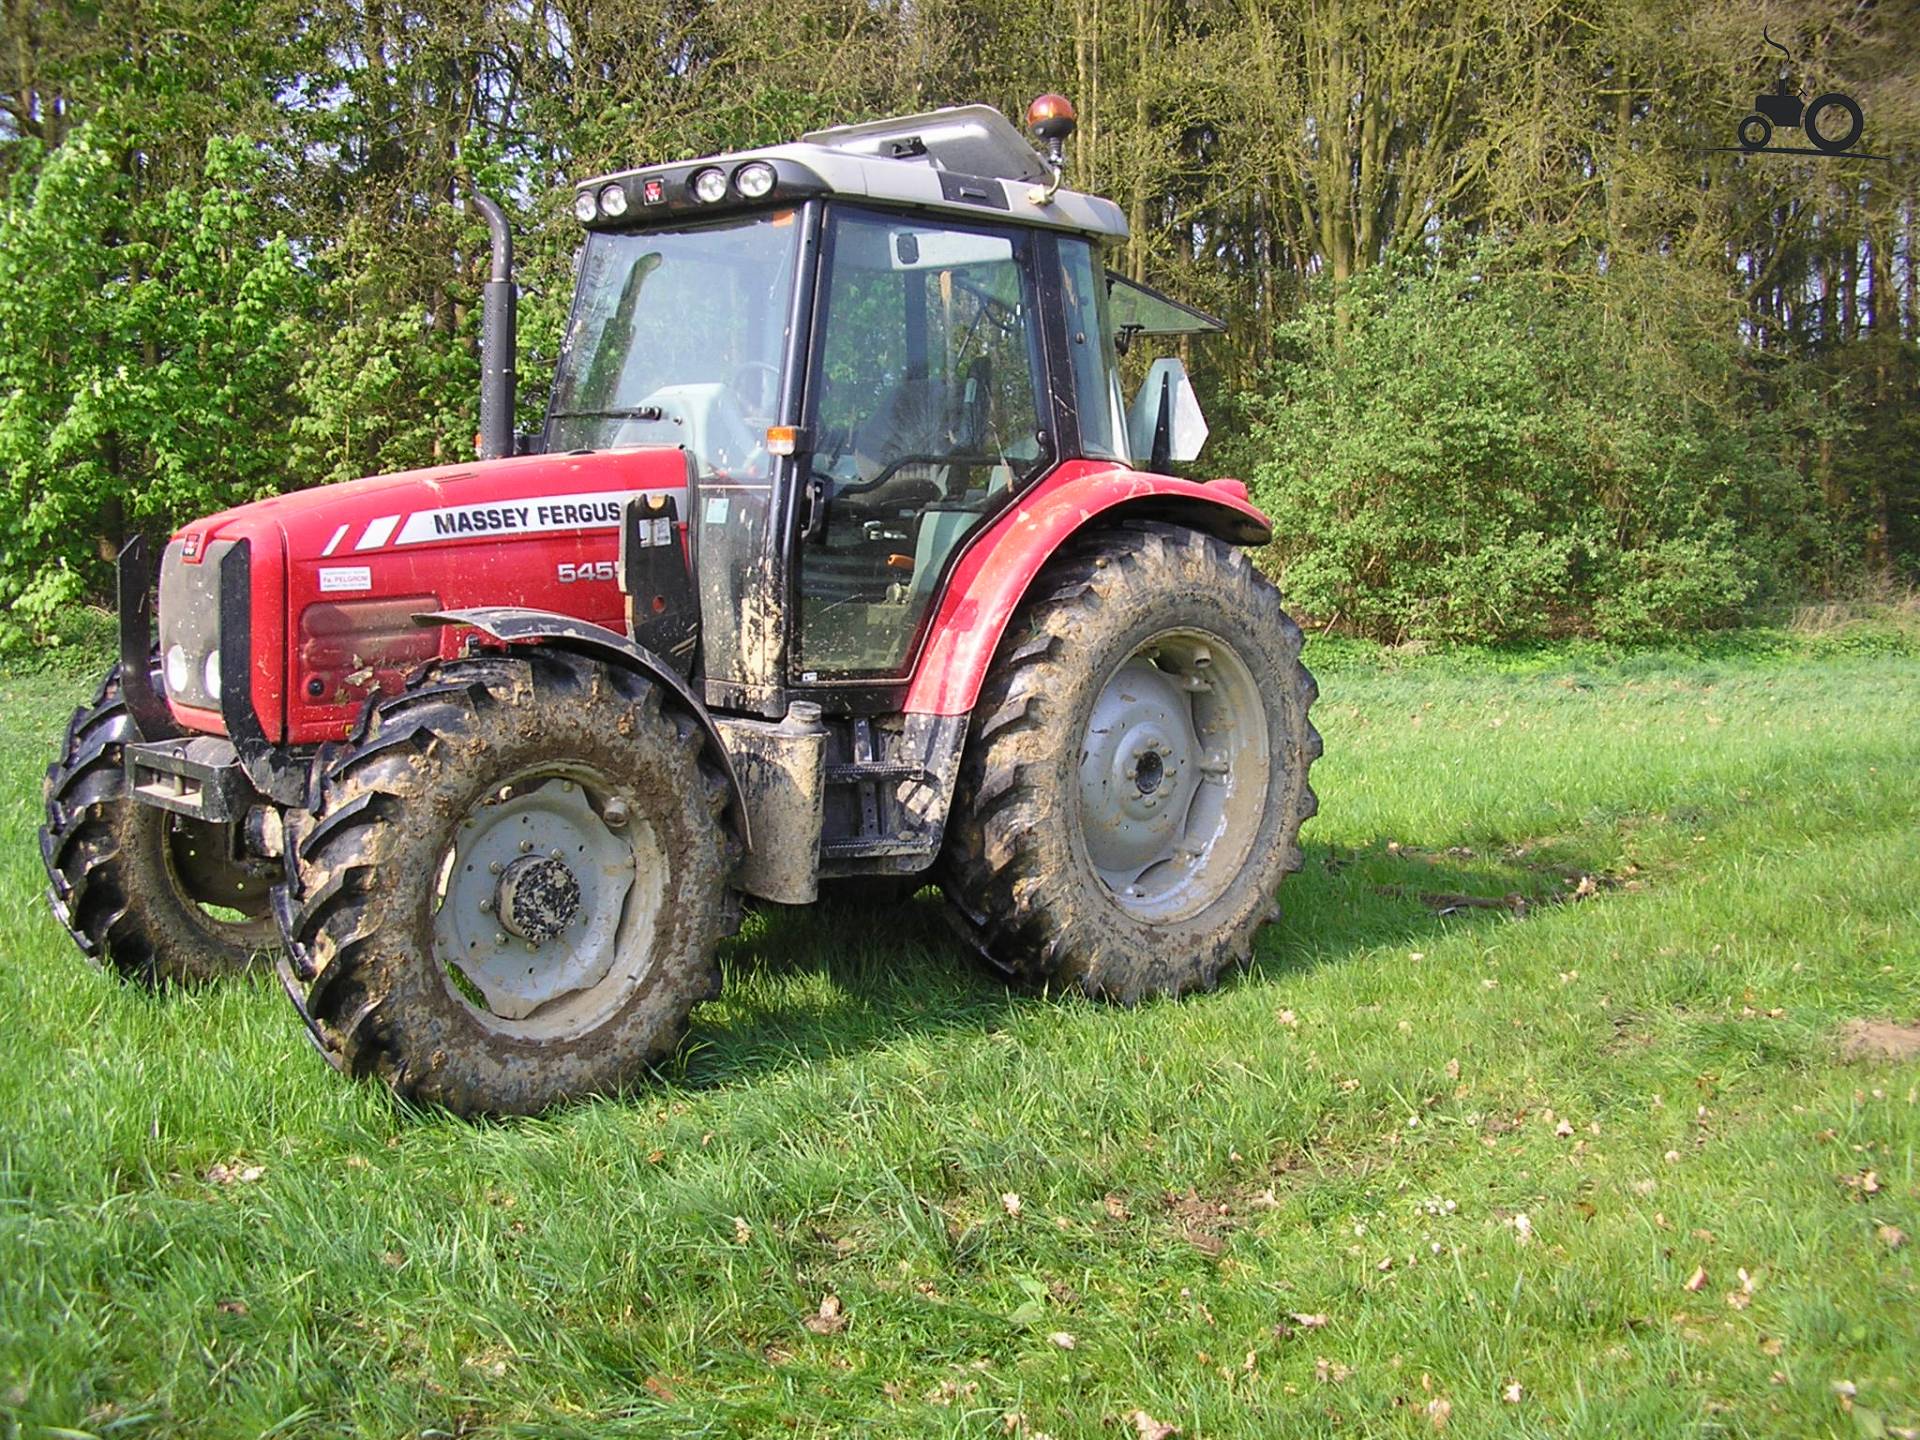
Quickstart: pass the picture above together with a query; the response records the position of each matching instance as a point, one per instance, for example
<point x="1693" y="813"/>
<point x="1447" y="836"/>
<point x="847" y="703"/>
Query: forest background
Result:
<point x="1518" y="345"/>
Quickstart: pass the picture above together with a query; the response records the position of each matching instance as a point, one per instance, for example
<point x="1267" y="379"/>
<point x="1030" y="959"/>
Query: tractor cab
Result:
<point x="867" y="343"/>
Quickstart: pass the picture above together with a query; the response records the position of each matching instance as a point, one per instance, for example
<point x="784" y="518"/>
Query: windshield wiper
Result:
<point x="630" y="412"/>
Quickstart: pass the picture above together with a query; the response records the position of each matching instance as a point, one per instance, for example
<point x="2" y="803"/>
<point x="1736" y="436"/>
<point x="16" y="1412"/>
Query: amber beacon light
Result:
<point x="1051" y="119"/>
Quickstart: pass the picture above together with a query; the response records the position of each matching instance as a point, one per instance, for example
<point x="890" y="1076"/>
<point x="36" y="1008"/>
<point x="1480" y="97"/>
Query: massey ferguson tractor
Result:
<point x="839" y="560"/>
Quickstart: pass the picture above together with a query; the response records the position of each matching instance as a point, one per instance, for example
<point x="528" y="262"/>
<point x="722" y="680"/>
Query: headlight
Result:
<point x="709" y="185"/>
<point x="755" y="180"/>
<point x="613" y="201"/>
<point x="584" y="208"/>
<point x="212" y="673"/>
<point x="179" y="670"/>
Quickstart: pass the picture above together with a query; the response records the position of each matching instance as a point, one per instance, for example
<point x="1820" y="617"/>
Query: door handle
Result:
<point x="813" y="521"/>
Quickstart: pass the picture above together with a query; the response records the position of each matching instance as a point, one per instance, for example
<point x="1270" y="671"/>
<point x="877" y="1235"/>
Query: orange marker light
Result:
<point x="782" y="439"/>
<point x="1051" y="117"/>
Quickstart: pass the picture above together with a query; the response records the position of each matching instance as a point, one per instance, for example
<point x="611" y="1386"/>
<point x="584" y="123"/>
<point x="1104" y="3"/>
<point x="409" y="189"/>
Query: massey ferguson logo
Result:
<point x="489" y="519"/>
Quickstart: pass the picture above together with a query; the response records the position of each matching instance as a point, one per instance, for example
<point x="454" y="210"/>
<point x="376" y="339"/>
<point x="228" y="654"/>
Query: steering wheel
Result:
<point x="894" y="467"/>
<point x="771" y="383"/>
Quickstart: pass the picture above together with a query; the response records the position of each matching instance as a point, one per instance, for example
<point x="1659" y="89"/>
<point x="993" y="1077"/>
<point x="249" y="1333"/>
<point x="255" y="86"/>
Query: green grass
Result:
<point x="1353" y="1130"/>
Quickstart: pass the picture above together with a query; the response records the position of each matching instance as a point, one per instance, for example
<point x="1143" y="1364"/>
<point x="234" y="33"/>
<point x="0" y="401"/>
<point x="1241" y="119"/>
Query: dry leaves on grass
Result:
<point x="742" y="1231"/>
<point x="1513" y="1394"/>
<point x="1015" y="1423"/>
<point x="1148" y="1428"/>
<point x="1439" y="1411"/>
<point x="1891" y="1236"/>
<point x="236" y="1174"/>
<point x="1293" y="1324"/>
<point x="829" y="1319"/>
<point x="1116" y="1206"/>
<point x="1064" y="1339"/>
<point x="1010" y="1202"/>
<point x="1743" y="1297"/>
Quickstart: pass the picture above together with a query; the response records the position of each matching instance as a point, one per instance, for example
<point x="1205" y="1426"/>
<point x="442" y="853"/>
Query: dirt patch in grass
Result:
<point x="1880" y="1040"/>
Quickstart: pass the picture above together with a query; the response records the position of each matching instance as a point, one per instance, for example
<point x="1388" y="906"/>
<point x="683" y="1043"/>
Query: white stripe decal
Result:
<point x="334" y="543"/>
<point x="378" y="532"/>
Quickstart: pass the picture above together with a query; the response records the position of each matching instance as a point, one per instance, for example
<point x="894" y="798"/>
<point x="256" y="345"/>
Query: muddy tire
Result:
<point x="512" y="889"/>
<point x="1136" y="777"/>
<point x="131" y="883"/>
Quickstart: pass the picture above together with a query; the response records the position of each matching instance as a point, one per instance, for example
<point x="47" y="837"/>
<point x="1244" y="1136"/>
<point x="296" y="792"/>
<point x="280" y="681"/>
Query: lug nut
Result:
<point x="499" y="937"/>
<point x="485" y="906"/>
<point x="525" y="846"/>
<point x="494" y="868"/>
<point x="554" y="854"/>
<point x="615" y="814"/>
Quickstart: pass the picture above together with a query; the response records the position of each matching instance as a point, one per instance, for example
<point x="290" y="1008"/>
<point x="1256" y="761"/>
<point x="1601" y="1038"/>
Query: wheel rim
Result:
<point x="546" y="902"/>
<point x="1173" y="774"/>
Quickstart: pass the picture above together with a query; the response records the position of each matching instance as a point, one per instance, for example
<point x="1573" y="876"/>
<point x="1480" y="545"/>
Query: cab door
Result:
<point x="927" y="406"/>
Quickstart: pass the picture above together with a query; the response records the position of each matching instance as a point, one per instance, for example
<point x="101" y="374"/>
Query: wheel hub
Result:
<point x="534" y="894"/>
<point x="537" y="898"/>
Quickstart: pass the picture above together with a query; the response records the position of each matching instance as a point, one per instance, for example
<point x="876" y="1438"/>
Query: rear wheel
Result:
<point x="513" y="889"/>
<point x="1833" y="122"/>
<point x="1137" y="777"/>
<point x="158" y="897"/>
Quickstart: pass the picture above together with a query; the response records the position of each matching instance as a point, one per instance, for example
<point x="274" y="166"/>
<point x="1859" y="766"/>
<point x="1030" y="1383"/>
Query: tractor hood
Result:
<point x="337" y="573"/>
<point x="490" y="500"/>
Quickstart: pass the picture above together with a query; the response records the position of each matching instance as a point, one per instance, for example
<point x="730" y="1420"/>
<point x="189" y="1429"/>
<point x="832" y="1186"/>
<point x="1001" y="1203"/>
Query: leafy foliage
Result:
<point x="145" y="362"/>
<point x="1465" y="451"/>
<point x="163" y="351"/>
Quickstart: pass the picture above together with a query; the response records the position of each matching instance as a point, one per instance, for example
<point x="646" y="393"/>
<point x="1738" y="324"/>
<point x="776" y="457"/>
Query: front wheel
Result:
<point x="1755" y="131"/>
<point x="157" y="897"/>
<point x="1133" y="791"/>
<point x="512" y="891"/>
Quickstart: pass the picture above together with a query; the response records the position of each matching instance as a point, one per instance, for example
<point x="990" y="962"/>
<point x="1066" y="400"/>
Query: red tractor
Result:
<point x="838" y="559"/>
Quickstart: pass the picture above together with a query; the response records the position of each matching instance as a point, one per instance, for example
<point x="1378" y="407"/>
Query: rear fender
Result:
<point x="994" y="574"/>
<point x="513" y="625"/>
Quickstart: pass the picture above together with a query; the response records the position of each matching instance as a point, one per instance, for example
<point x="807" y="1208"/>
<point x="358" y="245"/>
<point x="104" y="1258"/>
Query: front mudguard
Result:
<point x="517" y="625"/>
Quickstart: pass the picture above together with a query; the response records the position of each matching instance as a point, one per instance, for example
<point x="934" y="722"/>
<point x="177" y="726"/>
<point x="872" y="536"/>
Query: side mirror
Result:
<point x="1164" y="423"/>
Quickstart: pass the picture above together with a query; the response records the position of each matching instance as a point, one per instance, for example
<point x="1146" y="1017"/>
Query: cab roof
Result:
<point x="964" y="159"/>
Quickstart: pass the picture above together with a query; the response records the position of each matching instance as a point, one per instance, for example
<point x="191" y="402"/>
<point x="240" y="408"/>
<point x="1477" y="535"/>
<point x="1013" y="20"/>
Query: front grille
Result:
<point x="190" y="619"/>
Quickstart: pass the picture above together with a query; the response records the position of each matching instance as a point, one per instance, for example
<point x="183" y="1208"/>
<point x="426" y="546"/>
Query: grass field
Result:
<point x="1597" y="1169"/>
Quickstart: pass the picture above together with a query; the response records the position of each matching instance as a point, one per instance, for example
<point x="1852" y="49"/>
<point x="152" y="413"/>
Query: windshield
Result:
<point x="678" y="337"/>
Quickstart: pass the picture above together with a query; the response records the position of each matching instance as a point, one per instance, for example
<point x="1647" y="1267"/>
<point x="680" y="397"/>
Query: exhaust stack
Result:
<point x="497" y="338"/>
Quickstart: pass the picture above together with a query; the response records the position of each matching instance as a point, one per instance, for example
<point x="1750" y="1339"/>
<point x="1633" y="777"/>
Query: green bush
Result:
<point x="145" y="359"/>
<point x="1457" y="454"/>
